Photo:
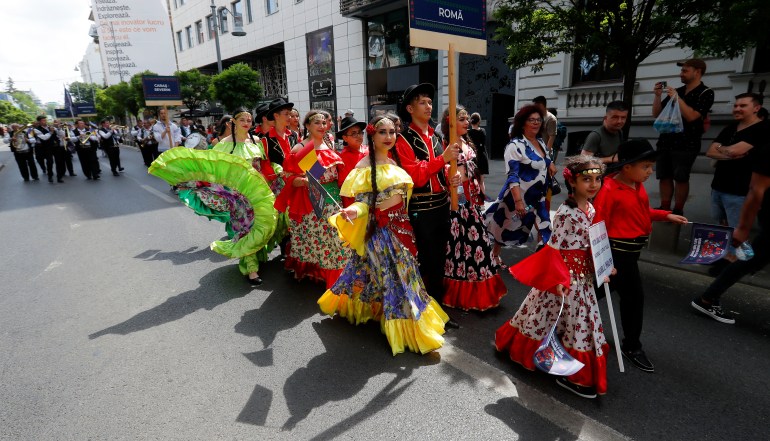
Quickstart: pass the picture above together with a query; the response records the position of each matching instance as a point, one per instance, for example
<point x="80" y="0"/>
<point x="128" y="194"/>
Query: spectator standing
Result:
<point x="548" y="128"/>
<point x="479" y="138"/>
<point x="603" y="142"/>
<point x="679" y="150"/>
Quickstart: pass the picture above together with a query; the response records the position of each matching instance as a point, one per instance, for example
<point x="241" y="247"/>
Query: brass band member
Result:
<point x="87" y="142"/>
<point x="22" y="152"/>
<point x="109" y="141"/>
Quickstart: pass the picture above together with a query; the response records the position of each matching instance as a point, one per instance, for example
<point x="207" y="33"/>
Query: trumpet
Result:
<point x="117" y="127"/>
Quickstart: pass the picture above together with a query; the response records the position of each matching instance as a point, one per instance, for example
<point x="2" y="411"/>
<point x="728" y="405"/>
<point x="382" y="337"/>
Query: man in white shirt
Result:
<point x="110" y="144"/>
<point x="185" y="129"/>
<point x="46" y="146"/>
<point x="166" y="133"/>
<point x="147" y="143"/>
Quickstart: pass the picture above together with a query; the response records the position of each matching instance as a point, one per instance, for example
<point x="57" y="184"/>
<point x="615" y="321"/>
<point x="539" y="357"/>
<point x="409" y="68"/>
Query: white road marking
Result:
<point x="160" y="194"/>
<point x="52" y="265"/>
<point x="544" y="405"/>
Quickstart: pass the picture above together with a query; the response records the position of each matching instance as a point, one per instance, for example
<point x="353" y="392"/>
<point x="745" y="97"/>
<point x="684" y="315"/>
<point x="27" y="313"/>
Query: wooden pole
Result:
<point x="452" y="122"/>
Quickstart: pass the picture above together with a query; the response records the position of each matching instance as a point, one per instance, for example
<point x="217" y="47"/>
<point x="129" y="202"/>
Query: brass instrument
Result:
<point x="19" y="141"/>
<point x="84" y="137"/>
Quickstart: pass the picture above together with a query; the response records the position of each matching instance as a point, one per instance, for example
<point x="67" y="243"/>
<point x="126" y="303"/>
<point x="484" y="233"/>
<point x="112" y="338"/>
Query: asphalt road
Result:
<point x="117" y="322"/>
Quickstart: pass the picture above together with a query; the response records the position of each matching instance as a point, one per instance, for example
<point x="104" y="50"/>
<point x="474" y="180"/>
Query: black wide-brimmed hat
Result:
<point x="348" y="122"/>
<point x="277" y="105"/>
<point x="635" y="150"/>
<point x="410" y="93"/>
<point x="261" y="111"/>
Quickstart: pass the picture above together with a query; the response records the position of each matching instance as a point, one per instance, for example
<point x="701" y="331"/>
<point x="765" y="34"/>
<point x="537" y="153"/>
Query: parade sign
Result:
<point x="62" y="113"/>
<point x="434" y="24"/>
<point x="161" y="91"/>
<point x="601" y="252"/>
<point x="708" y="244"/>
<point x="134" y="36"/>
<point x="84" y="109"/>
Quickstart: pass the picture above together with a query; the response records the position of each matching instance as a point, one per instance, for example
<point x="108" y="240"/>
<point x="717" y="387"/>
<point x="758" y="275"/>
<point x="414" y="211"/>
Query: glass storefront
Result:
<point x="391" y="64"/>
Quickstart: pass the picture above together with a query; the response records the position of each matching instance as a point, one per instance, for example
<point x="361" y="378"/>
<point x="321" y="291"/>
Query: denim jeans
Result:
<point x="726" y="207"/>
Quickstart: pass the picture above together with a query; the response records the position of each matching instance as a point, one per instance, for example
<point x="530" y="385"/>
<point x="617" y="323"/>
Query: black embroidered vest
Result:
<point x="421" y="153"/>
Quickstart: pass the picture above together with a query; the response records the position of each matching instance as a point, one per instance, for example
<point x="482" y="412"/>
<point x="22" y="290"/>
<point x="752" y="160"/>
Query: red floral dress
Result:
<point x="580" y="327"/>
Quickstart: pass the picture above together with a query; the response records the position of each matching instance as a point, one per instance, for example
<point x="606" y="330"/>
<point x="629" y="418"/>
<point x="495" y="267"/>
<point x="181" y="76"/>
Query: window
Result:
<point x="176" y="5"/>
<point x="248" y="11"/>
<point x="271" y="6"/>
<point x="181" y="2"/>
<point x="188" y="34"/>
<point x="179" y="41"/>
<point x="236" y="8"/>
<point x="762" y="59"/>
<point x="199" y="31"/>
<point x="222" y="21"/>
<point x="388" y="42"/>
<point x="589" y="68"/>
<point x="210" y="26"/>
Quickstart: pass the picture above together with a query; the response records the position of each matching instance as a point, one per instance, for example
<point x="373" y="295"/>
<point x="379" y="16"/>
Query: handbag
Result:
<point x="555" y="186"/>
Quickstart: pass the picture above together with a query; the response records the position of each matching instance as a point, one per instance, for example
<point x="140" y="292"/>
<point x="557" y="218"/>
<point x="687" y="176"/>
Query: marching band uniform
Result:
<point x="148" y="146"/>
<point x="64" y="135"/>
<point x="87" y="144"/>
<point x="109" y="141"/>
<point x="22" y="152"/>
<point x="47" y="146"/>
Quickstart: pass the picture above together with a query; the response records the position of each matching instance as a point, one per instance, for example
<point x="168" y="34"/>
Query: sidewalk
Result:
<point x="698" y="209"/>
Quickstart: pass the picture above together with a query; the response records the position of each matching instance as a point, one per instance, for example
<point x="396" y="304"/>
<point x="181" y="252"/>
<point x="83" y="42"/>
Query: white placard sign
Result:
<point x="601" y="252"/>
<point x="134" y="36"/>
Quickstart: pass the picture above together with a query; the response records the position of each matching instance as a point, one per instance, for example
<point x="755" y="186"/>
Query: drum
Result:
<point x="193" y="139"/>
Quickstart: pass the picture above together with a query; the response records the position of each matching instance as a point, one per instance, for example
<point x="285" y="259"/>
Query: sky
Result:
<point x="49" y="39"/>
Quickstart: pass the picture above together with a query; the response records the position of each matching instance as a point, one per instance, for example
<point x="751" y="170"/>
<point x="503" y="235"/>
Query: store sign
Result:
<point x="435" y="23"/>
<point x="161" y="91"/>
<point x="320" y="68"/>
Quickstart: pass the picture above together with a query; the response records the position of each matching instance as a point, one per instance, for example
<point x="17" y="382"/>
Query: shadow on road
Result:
<point x="217" y="287"/>
<point x="526" y="424"/>
<point x="192" y="254"/>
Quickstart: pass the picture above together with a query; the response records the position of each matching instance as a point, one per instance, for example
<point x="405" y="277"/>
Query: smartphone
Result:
<point x="663" y="84"/>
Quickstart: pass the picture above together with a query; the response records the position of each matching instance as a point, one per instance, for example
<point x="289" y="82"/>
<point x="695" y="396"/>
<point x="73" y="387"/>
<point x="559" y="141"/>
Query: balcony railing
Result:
<point x="583" y="97"/>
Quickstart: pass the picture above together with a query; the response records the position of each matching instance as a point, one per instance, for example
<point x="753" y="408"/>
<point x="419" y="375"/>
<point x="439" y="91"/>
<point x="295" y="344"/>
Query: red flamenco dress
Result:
<point x="315" y="251"/>
<point x="566" y="260"/>
<point x="471" y="280"/>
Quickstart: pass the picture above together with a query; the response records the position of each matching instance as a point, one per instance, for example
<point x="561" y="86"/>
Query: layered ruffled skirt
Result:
<point x="225" y="188"/>
<point x="385" y="285"/>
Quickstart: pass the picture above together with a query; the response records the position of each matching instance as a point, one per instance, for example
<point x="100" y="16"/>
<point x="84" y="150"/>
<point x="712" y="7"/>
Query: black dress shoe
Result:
<point x="35" y="179"/>
<point x="639" y="359"/>
<point x="115" y="173"/>
<point x="72" y="175"/>
<point x="254" y="282"/>
<point x="50" y="179"/>
<point x="60" y="180"/>
<point x="451" y="324"/>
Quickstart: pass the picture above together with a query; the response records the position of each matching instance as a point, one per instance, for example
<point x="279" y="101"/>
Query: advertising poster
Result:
<point x="134" y="36"/>
<point x="320" y="69"/>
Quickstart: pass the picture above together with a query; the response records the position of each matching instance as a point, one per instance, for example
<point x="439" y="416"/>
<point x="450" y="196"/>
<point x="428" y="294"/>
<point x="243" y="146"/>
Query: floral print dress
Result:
<point x="580" y="327"/>
<point x="471" y="280"/>
<point x="529" y="171"/>
<point x="381" y="281"/>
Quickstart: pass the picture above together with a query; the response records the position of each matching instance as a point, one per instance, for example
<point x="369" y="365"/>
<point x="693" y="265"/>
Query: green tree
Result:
<point x="628" y="31"/>
<point x="9" y="85"/>
<point x="83" y="92"/>
<point x="10" y="114"/>
<point x="27" y="104"/>
<point x="237" y="86"/>
<point x="136" y="85"/>
<point x="194" y="87"/>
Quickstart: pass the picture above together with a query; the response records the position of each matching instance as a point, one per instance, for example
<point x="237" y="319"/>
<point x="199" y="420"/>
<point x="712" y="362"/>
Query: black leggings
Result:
<point x="628" y="284"/>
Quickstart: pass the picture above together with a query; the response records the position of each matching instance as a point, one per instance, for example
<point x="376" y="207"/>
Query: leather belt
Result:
<point x="634" y="245"/>
<point x="427" y="201"/>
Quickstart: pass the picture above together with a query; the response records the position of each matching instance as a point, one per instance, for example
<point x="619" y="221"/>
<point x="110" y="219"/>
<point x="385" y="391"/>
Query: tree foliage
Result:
<point x="10" y="85"/>
<point x="136" y="85"/>
<point x="27" y="104"/>
<point x="237" y="86"/>
<point x="195" y="87"/>
<point x="83" y="92"/>
<point x="117" y="100"/>
<point x="628" y="31"/>
<point x="10" y="114"/>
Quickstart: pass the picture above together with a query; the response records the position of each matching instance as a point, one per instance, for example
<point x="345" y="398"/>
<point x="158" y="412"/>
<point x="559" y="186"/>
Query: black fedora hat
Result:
<point x="261" y="111"/>
<point x="348" y="122"/>
<point x="411" y="92"/>
<point x="635" y="150"/>
<point x="277" y="105"/>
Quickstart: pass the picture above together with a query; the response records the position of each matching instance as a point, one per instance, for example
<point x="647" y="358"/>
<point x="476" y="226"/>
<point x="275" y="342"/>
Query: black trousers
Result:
<point x="89" y="162"/>
<point x="431" y="233"/>
<point x="113" y="153"/>
<point x="149" y="153"/>
<point x="736" y="270"/>
<point x="628" y="284"/>
<point x="26" y="163"/>
<point x="53" y="157"/>
<point x="68" y="161"/>
<point x="40" y="156"/>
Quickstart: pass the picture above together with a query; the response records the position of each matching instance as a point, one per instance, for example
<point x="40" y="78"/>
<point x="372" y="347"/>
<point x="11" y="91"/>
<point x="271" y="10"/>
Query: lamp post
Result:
<point x="237" y="29"/>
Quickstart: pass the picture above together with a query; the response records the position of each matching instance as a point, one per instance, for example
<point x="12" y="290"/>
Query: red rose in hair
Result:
<point x="370" y="130"/>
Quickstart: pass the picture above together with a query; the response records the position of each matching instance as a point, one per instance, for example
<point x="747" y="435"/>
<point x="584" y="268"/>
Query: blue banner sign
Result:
<point x="62" y="113"/>
<point x="461" y="18"/>
<point x="161" y="91"/>
<point x="85" y="109"/>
